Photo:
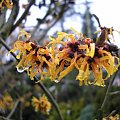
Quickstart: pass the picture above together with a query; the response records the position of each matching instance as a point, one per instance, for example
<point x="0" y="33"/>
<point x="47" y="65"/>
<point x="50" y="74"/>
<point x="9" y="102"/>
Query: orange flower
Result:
<point x="42" y="104"/>
<point x="6" y="3"/>
<point x="30" y="56"/>
<point x="6" y="102"/>
<point x="65" y="53"/>
<point x="83" y="68"/>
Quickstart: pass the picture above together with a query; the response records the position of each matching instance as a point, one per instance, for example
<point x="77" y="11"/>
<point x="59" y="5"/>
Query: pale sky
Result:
<point x="108" y="13"/>
<point x="106" y="10"/>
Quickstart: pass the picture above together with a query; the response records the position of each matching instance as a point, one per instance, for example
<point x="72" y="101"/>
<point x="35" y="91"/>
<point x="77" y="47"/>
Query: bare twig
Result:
<point x="5" y="30"/>
<point x="108" y="90"/>
<point x="2" y="17"/>
<point x="50" y="97"/>
<point x="114" y="93"/>
<point x="63" y="10"/>
<point x="112" y="113"/>
<point x="4" y="118"/>
<point x="23" y="15"/>
<point x="45" y="32"/>
<point x="13" y="110"/>
<point x="4" y="44"/>
<point x="40" y="22"/>
<point x="21" y="112"/>
<point x="40" y="84"/>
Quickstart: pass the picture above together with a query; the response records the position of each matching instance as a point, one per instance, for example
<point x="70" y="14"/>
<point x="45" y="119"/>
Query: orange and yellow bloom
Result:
<point x="42" y="104"/>
<point x="6" y="3"/>
<point x="6" y="102"/>
<point x="65" y="53"/>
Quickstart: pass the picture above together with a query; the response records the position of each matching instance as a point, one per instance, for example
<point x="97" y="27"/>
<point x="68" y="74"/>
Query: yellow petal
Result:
<point x="8" y="4"/>
<point x="91" y="50"/>
<point x="27" y="46"/>
<point x="108" y="62"/>
<point x="83" y="67"/>
<point x="69" y="68"/>
<point x="97" y="72"/>
<point x="51" y="69"/>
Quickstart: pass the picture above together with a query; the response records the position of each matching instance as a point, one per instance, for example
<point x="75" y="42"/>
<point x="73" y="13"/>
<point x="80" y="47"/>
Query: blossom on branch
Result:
<point x="65" y="53"/>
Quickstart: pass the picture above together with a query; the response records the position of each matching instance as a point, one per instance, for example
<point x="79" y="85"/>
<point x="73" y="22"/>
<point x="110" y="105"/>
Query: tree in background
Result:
<point x="88" y="27"/>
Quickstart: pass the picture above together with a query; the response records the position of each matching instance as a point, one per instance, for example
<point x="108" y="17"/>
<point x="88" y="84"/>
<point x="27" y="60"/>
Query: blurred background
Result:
<point x="42" y="18"/>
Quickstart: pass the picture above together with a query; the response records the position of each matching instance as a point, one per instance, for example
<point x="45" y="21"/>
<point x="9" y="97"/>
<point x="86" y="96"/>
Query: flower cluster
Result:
<point x="66" y="52"/>
<point x="6" y="3"/>
<point x="42" y="104"/>
<point x="6" y="102"/>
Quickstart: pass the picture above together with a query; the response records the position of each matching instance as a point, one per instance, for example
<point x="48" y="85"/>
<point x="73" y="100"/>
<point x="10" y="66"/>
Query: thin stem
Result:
<point x="108" y="90"/>
<point x="6" y="46"/>
<point x="5" y="30"/>
<point x="50" y="97"/>
<point x="41" y="21"/>
<point x="13" y="110"/>
<point x="4" y="118"/>
<point x="23" y="15"/>
<point x="21" y="112"/>
<point x="63" y="10"/>
<point x="39" y="83"/>
<point x="114" y="93"/>
<point x="112" y="113"/>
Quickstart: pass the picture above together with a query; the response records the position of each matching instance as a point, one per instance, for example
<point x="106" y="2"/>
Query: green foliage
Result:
<point x="87" y="113"/>
<point x="70" y="110"/>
